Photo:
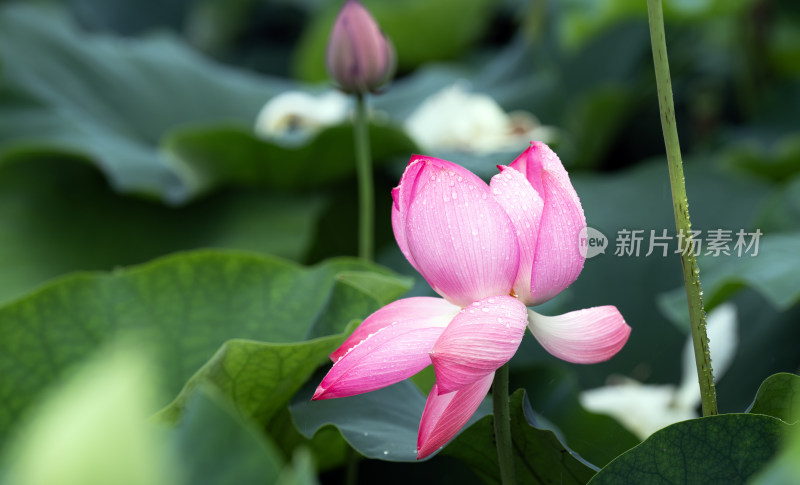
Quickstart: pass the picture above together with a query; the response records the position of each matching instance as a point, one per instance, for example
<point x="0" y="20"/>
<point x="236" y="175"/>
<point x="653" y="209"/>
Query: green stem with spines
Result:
<point x="366" y="192"/>
<point x="502" y="426"/>
<point x="680" y="205"/>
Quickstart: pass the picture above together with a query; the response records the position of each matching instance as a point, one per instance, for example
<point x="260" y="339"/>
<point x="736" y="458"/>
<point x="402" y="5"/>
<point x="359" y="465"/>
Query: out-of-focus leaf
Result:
<point x="782" y="212"/>
<point x="93" y="429"/>
<point x="155" y="117"/>
<point x="639" y="199"/>
<point x="581" y="20"/>
<point x="183" y="308"/>
<point x="785" y="468"/>
<point x="553" y="393"/>
<point x="728" y="448"/>
<point x="779" y="397"/>
<point x="539" y="456"/>
<point x="218" y="156"/>
<point x="776" y="161"/>
<point x="300" y="471"/>
<point x="58" y="215"/>
<point x="215" y="447"/>
<point x="772" y="272"/>
<point x="112" y="99"/>
<point x="426" y="41"/>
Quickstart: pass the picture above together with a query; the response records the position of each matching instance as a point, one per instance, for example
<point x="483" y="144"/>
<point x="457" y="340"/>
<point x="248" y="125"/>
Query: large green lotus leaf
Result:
<point x="58" y="215"/>
<point x="728" y="448"/>
<point x="258" y="378"/>
<point x="184" y="307"/>
<point x="233" y="155"/>
<point x="553" y="393"/>
<point x="381" y="424"/>
<point x="414" y="27"/>
<point x="779" y="397"/>
<point x="152" y="114"/>
<point x="539" y="455"/>
<point x="772" y="272"/>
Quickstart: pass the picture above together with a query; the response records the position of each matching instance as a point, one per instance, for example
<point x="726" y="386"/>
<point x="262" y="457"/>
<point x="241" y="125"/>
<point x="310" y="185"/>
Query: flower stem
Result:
<point x="502" y="426"/>
<point x="366" y="203"/>
<point x="680" y="205"/>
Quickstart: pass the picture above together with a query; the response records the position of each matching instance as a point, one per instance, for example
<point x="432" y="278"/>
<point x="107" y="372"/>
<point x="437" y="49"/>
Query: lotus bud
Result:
<point x="360" y="57"/>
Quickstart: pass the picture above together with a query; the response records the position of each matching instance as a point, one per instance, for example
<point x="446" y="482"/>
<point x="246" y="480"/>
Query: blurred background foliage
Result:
<point x="127" y="134"/>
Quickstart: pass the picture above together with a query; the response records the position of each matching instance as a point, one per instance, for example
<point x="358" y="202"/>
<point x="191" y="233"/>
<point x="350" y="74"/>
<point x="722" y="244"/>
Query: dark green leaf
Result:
<point x="184" y="307"/>
<point x="539" y="456"/>
<point x="725" y="449"/>
<point x="258" y="378"/>
<point x="779" y="397"/>
<point x="772" y="272"/>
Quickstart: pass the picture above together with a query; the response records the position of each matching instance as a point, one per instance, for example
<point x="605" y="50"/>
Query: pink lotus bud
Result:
<point x="360" y="57"/>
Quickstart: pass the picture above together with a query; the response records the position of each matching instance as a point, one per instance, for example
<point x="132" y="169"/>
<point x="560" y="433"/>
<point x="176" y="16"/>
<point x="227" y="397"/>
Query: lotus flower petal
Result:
<point x="454" y="233"/>
<point x="397" y="349"/>
<point x="445" y="414"/>
<point x="582" y="337"/>
<point x="436" y="309"/>
<point x="524" y="207"/>
<point x="558" y="260"/>
<point x="480" y="339"/>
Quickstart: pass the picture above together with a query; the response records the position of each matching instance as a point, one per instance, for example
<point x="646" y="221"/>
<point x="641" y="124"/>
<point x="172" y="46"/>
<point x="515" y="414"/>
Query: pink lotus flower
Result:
<point x="488" y="251"/>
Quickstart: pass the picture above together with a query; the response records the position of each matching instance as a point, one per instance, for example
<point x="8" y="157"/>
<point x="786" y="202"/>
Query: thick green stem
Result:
<point x="366" y="203"/>
<point x="502" y="426"/>
<point x="680" y="205"/>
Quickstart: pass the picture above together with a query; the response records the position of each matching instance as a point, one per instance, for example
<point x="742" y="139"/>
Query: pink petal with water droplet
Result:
<point x="558" y="260"/>
<point x="417" y="173"/>
<point x="446" y="414"/>
<point x="480" y="339"/>
<point x="582" y="337"/>
<point x="458" y="237"/>
<point x="524" y="207"/>
<point x="398" y="349"/>
<point x="399" y="311"/>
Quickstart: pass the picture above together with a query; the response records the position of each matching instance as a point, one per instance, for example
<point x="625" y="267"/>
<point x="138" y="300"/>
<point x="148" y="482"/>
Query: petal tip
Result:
<point x="319" y="394"/>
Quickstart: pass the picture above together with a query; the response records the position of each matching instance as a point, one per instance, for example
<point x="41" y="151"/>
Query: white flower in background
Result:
<point x="646" y="408"/>
<point x="455" y="119"/>
<point x="300" y="115"/>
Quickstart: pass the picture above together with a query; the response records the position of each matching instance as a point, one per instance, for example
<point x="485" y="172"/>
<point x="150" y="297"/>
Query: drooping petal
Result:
<point x="394" y="351"/>
<point x="558" y="260"/>
<point x="458" y="237"/>
<point x="524" y="207"/>
<point x="480" y="339"/>
<point x="415" y="308"/>
<point x="446" y="414"/>
<point x="583" y="336"/>
<point x="417" y="173"/>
